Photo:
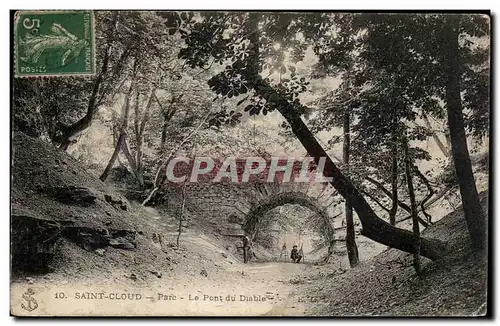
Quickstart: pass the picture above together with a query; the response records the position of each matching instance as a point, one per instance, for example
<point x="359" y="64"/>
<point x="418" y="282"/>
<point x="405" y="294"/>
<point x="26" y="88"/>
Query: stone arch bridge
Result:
<point x="235" y="209"/>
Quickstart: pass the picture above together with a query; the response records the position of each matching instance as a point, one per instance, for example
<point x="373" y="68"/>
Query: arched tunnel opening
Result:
<point x="283" y="220"/>
<point x="290" y="225"/>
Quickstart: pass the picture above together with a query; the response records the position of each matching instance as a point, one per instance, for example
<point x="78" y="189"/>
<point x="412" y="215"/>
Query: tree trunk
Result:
<point x="438" y="196"/>
<point x="428" y="196"/>
<point x="138" y="141"/>
<point x="394" y="182"/>
<point x="86" y="121"/>
<point x="163" y="135"/>
<point x="112" y="160"/>
<point x="438" y="141"/>
<point x="128" y="155"/>
<point x="167" y="116"/>
<point x="121" y="138"/>
<point x="140" y="128"/>
<point x="137" y="115"/>
<point x="413" y="205"/>
<point x="473" y="212"/>
<point x="131" y="162"/>
<point x="350" y="238"/>
<point x="373" y="227"/>
<point x="179" y="231"/>
<point x="145" y="116"/>
<point x="400" y="203"/>
<point x="448" y="139"/>
<point x="139" y="173"/>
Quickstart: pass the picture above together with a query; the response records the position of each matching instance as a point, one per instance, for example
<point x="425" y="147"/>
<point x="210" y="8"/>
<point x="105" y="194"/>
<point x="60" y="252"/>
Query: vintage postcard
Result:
<point x="211" y="163"/>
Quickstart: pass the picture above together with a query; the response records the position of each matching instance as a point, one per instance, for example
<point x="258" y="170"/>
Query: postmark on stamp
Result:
<point x="54" y="43"/>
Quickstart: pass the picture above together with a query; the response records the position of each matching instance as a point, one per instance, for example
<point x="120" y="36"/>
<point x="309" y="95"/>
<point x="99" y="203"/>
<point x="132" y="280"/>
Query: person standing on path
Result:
<point x="283" y="251"/>
<point x="246" y="249"/>
<point x="295" y="255"/>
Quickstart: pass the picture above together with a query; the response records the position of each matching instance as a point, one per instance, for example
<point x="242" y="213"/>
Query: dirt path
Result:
<point x="262" y="289"/>
<point x="276" y="281"/>
<point x="206" y="283"/>
<point x="282" y="280"/>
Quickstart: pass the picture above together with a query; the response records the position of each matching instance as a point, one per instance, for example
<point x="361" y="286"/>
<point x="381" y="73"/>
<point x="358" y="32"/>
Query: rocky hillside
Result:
<point x="65" y="220"/>
<point x="70" y="230"/>
<point x="387" y="285"/>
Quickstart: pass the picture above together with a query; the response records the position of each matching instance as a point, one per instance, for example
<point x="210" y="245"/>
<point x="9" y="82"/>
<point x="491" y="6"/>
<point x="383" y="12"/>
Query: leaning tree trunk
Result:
<point x="121" y="137"/>
<point x="413" y="205"/>
<point x="373" y="226"/>
<point x="112" y="160"/>
<point x="128" y="155"/>
<point x="394" y="182"/>
<point x="426" y="182"/>
<point x="350" y="238"/>
<point x="471" y="205"/>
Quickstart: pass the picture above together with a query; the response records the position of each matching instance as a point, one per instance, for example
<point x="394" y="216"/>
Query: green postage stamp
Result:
<point x="54" y="43"/>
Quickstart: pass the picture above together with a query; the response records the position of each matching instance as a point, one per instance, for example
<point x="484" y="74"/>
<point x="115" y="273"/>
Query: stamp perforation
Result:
<point x="17" y="17"/>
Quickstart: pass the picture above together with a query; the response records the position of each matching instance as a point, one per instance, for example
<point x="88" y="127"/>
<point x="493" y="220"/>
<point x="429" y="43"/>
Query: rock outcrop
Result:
<point x="54" y="197"/>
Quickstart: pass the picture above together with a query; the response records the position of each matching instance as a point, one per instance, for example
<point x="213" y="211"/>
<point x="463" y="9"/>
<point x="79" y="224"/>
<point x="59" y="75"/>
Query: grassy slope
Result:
<point x="387" y="284"/>
<point x="38" y="166"/>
